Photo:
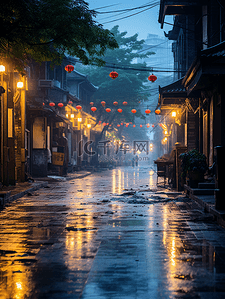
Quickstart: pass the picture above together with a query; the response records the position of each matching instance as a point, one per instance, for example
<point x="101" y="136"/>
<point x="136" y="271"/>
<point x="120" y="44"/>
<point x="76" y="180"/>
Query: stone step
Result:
<point x="4" y="195"/>
<point x="202" y="191"/>
<point x="206" y="186"/>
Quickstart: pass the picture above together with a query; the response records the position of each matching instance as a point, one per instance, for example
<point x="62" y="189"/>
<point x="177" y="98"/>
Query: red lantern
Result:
<point x="148" y="125"/>
<point x="133" y="110"/>
<point x="91" y="103"/>
<point x="119" y="110"/>
<point x="147" y="111"/>
<point x="104" y="124"/>
<point x="127" y="125"/>
<point x="100" y="122"/>
<point x="70" y="102"/>
<point x="113" y="75"/>
<point x="78" y="107"/>
<point x="93" y="109"/>
<point x="152" y="78"/>
<point x="140" y="126"/>
<point x="157" y="111"/>
<point x="103" y="103"/>
<point x="121" y="124"/>
<point x="43" y="104"/>
<point x="153" y="126"/>
<point x="69" y="68"/>
<point x="160" y="125"/>
<point x="118" y="125"/>
<point x="60" y="105"/>
<point x="134" y="126"/>
<point x="115" y="103"/>
<point x="51" y="104"/>
<point x="108" y="110"/>
<point x="124" y="103"/>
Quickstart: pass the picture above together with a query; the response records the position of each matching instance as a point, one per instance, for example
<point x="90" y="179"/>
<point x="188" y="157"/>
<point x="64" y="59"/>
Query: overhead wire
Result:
<point x="130" y="15"/>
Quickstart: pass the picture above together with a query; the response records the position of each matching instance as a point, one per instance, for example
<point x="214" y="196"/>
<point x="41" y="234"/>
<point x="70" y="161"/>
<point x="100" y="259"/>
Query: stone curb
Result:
<point x="10" y="198"/>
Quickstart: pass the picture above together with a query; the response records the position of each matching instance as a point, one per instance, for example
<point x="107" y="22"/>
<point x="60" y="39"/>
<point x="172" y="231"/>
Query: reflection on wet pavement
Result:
<point x="110" y="235"/>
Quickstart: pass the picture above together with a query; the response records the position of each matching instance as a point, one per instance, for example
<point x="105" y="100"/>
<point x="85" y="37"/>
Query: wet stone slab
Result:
<point x="120" y="237"/>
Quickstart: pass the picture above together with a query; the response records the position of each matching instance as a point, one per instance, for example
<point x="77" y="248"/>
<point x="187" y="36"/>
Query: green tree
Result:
<point x="129" y="86"/>
<point x="46" y="30"/>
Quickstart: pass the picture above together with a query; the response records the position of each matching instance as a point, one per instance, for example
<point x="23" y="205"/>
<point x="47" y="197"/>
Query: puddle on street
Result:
<point x="119" y="237"/>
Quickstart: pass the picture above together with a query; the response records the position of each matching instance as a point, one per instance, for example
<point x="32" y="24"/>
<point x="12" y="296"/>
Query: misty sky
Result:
<point x="142" y="23"/>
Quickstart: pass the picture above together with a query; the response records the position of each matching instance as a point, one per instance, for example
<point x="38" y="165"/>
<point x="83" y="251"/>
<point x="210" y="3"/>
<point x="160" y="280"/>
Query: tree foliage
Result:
<point x="129" y="86"/>
<point x="46" y="30"/>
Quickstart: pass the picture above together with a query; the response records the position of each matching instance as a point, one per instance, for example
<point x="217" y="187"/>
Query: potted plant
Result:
<point x="193" y="166"/>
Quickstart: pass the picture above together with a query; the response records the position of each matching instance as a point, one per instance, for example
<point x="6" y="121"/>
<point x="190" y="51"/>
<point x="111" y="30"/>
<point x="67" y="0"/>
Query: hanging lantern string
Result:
<point x="143" y="69"/>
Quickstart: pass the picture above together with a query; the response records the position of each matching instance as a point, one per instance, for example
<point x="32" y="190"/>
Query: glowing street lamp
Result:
<point x="19" y="85"/>
<point x="173" y="114"/>
<point x="2" y="68"/>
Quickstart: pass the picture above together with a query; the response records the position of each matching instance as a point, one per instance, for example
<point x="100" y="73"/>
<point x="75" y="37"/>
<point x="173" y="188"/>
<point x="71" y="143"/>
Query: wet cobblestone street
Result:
<point x="112" y="234"/>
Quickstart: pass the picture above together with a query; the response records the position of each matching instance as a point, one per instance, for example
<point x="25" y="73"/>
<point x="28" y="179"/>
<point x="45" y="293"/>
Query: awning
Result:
<point x="205" y="70"/>
<point x="172" y="95"/>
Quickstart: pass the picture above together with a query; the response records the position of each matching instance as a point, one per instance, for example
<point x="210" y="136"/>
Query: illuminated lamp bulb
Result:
<point x="19" y="85"/>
